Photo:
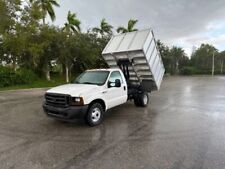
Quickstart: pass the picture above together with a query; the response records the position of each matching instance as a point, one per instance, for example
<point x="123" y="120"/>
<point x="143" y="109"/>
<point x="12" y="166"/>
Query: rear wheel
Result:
<point x="137" y="101"/>
<point x="141" y="100"/>
<point x="94" y="115"/>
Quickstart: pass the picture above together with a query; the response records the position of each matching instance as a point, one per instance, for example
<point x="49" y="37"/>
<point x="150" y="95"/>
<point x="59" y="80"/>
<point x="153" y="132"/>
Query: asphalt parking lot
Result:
<point x="183" y="127"/>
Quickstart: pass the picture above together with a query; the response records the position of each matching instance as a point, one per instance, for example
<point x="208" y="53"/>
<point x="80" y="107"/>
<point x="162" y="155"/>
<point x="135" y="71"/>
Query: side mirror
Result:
<point x="117" y="83"/>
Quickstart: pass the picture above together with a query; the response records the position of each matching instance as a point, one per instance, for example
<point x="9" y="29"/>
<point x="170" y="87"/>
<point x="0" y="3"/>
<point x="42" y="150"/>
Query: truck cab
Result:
<point x="89" y="96"/>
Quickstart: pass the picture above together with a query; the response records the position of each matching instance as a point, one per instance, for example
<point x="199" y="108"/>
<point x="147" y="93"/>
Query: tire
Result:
<point x="137" y="101"/>
<point x="144" y="99"/>
<point x="94" y="115"/>
<point x="141" y="100"/>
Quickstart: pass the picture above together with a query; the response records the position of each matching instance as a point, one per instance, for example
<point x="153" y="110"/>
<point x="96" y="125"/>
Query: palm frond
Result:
<point x="54" y="3"/>
<point x="47" y="7"/>
<point x="73" y="28"/>
<point x="51" y="12"/>
<point x="73" y="23"/>
<point x="96" y="30"/>
<point x="131" y="24"/>
<point x="121" y="30"/>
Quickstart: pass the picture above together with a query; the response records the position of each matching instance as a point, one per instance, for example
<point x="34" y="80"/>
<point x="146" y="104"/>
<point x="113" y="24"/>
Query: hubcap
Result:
<point x="145" y="99"/>
<point x="95" y="114"/>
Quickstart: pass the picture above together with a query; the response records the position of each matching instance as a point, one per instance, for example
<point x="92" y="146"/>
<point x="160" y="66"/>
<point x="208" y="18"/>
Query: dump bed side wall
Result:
<point x="154" y="59"/>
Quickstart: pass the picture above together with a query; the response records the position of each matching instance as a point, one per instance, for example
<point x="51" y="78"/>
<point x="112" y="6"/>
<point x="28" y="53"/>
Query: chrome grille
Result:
<point x="58" y="100"/>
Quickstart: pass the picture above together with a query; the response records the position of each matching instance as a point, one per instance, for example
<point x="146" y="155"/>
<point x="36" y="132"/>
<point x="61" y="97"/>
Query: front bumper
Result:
<point x="67" y="114"/>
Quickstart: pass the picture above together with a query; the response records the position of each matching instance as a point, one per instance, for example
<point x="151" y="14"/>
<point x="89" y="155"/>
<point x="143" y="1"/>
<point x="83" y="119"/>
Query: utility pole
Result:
<point x="213" y="63"/>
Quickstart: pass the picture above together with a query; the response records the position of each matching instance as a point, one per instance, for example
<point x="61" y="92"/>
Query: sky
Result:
<point x="183" y="23"/>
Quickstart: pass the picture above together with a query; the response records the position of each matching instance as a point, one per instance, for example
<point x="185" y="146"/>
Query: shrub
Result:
<point x="188" y="70"/>
<point x="8" y="77"/>
<point x="25" y="76"/>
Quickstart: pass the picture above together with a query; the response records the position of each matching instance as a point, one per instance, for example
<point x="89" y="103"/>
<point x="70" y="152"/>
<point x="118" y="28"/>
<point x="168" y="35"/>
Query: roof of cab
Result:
<point x="110" y="69"/>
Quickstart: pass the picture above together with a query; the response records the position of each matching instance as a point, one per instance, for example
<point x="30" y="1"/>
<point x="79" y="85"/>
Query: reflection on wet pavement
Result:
<point x="183" y="127"/>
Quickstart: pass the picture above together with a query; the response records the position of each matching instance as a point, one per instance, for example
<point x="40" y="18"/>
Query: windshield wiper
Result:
<point x="88" y="83"/>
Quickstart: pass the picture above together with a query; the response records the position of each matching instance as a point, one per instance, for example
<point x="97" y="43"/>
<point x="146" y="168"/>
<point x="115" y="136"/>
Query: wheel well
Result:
<point x="99" y="101"/>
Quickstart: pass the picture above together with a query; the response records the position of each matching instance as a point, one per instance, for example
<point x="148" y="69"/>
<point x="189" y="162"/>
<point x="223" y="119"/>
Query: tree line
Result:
<point x="27" y="41"/>
<point x="201" y="60"/>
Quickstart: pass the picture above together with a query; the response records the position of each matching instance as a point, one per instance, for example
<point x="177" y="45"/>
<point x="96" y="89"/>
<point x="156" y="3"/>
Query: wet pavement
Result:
<point x="183" y="127"/>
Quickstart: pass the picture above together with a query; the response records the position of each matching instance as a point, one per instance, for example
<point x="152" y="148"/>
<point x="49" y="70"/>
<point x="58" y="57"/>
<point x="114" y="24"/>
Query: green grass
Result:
<point x="41" y="83"/>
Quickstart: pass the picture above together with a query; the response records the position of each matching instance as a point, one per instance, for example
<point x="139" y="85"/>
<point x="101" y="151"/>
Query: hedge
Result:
<point x="189" y="70"/>
<point x="9" y="77"/>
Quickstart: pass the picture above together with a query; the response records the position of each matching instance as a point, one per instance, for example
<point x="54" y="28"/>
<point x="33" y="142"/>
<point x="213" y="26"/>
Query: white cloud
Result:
<point x="217" y="41"/>
<point x="216" y="25"/>
<point x="183" y="23"/>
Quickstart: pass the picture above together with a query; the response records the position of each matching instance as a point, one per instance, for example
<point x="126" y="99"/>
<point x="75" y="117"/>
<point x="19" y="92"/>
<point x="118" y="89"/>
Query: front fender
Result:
<point x="94" y="95"/>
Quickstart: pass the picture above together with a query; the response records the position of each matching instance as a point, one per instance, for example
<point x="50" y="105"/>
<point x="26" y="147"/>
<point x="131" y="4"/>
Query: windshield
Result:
<point x="92" y="77"/>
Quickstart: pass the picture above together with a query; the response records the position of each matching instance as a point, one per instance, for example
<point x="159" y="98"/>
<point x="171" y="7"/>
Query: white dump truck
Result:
<point x="135" y="70"/>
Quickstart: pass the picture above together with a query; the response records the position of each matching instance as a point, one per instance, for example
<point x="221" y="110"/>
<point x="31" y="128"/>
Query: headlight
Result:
<point x="77" y="101"/>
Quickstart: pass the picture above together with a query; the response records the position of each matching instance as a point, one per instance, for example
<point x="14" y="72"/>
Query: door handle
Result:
<point x="124" y="87"/>
<point x="104" y="92"/>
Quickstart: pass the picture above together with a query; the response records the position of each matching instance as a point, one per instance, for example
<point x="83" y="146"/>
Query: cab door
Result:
<point x="116" y="95"/>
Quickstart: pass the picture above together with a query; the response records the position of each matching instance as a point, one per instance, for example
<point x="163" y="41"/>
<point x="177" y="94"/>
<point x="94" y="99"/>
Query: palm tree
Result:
<point x="105" y="28"/>
<point x="72" y="24"/>
<point x="177" y="54"/>
<point x="130" y="27"/>
<point x="46" y="7"/>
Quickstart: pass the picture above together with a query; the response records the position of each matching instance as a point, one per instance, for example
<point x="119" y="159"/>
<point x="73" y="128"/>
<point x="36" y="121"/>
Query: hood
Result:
<point x="74" y="90"/>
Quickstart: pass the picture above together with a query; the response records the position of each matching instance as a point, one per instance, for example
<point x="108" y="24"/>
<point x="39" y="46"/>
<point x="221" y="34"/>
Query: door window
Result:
<point x="115" y="75"/>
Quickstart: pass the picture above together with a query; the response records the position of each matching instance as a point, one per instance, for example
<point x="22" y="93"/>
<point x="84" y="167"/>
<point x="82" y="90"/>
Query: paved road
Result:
<point x="183" y="127"/>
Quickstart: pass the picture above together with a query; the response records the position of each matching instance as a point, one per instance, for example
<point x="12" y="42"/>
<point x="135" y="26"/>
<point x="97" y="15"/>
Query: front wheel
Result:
<point x="141" y="100"/>
<point x="94" y="115"/>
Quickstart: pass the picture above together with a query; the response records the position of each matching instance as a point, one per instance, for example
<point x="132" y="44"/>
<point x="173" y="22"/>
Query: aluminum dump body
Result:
<point x="140" y="48"/>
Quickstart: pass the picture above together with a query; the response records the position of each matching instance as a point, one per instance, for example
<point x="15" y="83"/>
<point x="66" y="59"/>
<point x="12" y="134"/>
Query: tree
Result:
<point x="165" y="54"/>
<point x="48" y="42"/>
<point x="39" y="9"/>
<point x="30" y="17"/>
<point x="5" y="15"/>
<point x="222" y="58"/>
<point x="177" y="54"/>
<point x="9" y="26"/>
<point x="130" y="27"/>
<point x="104" y="29"/>
<point x="202" y="57"/>
<point x="88" y="50"/>
<point x="14" y="45"/>
<point x="71" y="26"/>
<point x="46" y="7"/>
<point x="2" y="59"/>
